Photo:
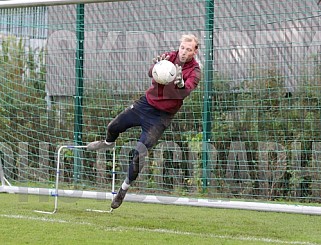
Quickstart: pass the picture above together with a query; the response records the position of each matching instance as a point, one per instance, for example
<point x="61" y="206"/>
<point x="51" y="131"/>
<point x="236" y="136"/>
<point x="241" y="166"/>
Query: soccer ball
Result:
<point x="164" y="72"/>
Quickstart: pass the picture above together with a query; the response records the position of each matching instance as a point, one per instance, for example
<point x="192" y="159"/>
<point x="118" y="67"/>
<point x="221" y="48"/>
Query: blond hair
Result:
<point x="190" y="38"/>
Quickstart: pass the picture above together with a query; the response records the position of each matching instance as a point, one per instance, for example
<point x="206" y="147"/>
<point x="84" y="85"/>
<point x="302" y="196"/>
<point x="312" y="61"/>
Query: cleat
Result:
<point x="118" y="200"/>
<point x="101" y="144"/>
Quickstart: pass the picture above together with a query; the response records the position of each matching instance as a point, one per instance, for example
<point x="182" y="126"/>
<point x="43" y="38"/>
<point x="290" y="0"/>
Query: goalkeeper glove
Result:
<point x="179" y="78"/>
<point x="159" y="58"/>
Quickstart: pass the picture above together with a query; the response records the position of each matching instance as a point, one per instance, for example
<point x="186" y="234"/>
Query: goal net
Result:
<point x="250" y="131"/>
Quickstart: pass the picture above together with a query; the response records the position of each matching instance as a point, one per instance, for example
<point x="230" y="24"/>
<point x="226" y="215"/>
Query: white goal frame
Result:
<point x="35" y="3"/>
<point x="56" y="193"/>
<point x="198" y="202"/>
<point x="6" y="187"/>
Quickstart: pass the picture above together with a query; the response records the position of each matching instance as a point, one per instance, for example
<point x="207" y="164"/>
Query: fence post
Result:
<point x="79" y="88"/>
<point x="208" y="80"/>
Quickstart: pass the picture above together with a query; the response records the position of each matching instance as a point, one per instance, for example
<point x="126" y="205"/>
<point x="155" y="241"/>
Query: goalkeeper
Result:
<point x="154" y="111"/>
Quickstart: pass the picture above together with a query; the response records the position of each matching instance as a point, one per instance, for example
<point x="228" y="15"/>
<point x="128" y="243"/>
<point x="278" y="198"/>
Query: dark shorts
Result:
<point x="153" y="122"/>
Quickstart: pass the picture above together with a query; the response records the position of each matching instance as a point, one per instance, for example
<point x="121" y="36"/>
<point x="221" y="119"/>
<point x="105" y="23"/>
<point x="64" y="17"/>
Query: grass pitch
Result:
<point x="137" y="223"/>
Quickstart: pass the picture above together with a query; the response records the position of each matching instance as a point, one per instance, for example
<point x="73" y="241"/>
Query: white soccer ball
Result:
<point x="164" y="72"/>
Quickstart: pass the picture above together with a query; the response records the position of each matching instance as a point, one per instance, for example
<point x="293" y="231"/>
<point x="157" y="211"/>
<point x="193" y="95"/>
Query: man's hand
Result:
<point x="159" y="58"/>
<point x="179" y="77"/>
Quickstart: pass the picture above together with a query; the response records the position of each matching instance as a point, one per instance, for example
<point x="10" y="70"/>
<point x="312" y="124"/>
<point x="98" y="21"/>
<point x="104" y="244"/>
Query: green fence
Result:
<point x="251" y="130"/>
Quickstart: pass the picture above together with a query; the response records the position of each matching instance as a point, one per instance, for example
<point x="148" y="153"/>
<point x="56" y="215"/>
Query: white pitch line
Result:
<point x="238" y="238"/>
<point x="43" y="219"/>
<point x="164" y="231"/>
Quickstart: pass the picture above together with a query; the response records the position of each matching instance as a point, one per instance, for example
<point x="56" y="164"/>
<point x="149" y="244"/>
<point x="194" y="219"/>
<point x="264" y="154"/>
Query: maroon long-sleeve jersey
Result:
<point x="169" y="97"/>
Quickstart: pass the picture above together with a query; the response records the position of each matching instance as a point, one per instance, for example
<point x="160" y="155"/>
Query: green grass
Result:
<point x="138" y="223"/>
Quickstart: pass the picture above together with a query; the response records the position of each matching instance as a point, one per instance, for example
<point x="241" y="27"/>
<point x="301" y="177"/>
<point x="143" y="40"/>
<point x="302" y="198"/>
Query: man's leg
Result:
<point x="153" y="123"/>
<point x="148" y="139"/>
<point x="126" y="119"/>
<point x="136" y="163"/>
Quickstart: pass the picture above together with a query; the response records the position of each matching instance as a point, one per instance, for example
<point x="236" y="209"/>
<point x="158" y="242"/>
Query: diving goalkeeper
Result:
<point x="154" y="111"/>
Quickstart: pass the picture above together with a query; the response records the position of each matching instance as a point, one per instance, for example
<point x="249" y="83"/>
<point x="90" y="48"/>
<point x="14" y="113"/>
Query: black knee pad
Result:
<point x="133" y="170"/>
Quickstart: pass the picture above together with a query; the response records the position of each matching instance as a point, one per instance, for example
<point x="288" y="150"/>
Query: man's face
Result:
<point x="186" y="51"/>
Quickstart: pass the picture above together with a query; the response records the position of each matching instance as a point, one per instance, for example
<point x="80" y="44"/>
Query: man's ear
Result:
<point x="196" y="50"/>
